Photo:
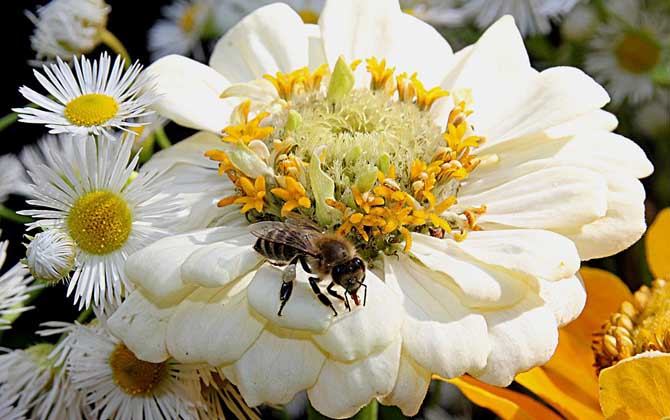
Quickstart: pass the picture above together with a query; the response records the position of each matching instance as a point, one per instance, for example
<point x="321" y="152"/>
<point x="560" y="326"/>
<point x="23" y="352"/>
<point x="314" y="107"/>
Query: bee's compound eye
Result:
<point x="357" y="263"/>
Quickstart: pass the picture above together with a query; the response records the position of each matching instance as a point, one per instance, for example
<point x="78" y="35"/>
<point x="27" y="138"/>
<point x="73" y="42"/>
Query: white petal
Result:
<point x="142" y="326"/>
<point x="538" y="253"/>
<point x="359" y="29"/>
<point x="220" y="263"/>
<point x="191" y="150"/>
<point x="276" y="367"/>
<point x="157" y="268"/>
<point x="410" y="388"/>
<point x="622" y="225"/>
<point x="213" y="326"/>
<point x="189" y="93"/>
<point x="550" y="198"/>
<point x="303" y="311"/>
<point x="439" y="333"/>
<point x="344" y="388"/>
<point x="597" y="120"/>
<point x="565" y="298"/>
<point x="270" y="39"/>
<point x="317" y="55"/>
<point x="374" y="326"/>
<point x="482" y="285"/>
<point x="522" y="337"/>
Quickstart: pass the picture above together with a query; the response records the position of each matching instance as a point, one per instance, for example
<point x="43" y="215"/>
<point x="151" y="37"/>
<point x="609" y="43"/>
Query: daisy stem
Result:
<point x="12" y="216"/>
<point x="85" y="315"/>
<point x="110" y="40"/>
<point x="162" y="138"/>
<point x="8" y="120"/>
<point x="369" y="412"/>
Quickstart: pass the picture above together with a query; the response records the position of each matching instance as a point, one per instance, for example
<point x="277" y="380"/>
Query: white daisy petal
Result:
<point x="271" y="39"/>
<point x="142" y="326"/>
<point x="376" y="327"/>
<point x="355" y="384"/>
<point x="410" y="387"/>
<point x="189" y="93"/>
<point x="213" y="326"/>
<point x="276" y="367"/>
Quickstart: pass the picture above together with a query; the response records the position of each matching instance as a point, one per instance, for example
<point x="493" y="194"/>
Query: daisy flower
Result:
<point x="46" y="151"/>
<point x="96" y="199"/>
<point x="50" y="256"/>
<point x="13" y="180"/>
<point x="14" y="288"/>
<point x="68" y="28"/>
<point x="101" y="97"/>
<point x="470" y="185"/>
<point x="119" y="385"/>
<point x="532" y="16"/>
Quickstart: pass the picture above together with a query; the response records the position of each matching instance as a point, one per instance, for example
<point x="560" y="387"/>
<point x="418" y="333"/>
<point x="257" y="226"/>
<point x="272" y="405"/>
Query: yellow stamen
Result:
<point x="100" y="222"/>
<point x="426" y="98"/>
<point x="381" y="76"/>
<point x="247" y="130"/>
<point x="293" y="194"/>
<point x="91" y="109"/>
<point x="134" y="376"/>
<point x="309" y="16"/>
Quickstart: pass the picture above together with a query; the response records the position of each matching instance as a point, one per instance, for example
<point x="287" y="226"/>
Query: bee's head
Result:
<point x="350" y="275"/>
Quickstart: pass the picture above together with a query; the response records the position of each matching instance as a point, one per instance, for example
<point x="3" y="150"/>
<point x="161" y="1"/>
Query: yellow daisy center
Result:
<point x="91" y="109"/>
<point x="637" y="53"/>
<point x="639" y="326"/>
<point x="100" y="222"/>
<point x="309" y="16"/>
<point x="188" y="18"/>
<point x="132" y="375"/>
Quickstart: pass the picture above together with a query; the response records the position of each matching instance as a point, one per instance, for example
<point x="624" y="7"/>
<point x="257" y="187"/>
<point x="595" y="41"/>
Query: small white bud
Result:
<point x="50" y="256"/>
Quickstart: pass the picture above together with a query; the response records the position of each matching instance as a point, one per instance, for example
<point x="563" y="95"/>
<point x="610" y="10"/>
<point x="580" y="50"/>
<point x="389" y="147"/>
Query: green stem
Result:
<point x="369" y="412"/>
<point x="162" y="138"/>
<point x="12" y="216"/>
<point x="115" y="45"/>
<point x="8" y="120"/>
<point x="85" y="315"/>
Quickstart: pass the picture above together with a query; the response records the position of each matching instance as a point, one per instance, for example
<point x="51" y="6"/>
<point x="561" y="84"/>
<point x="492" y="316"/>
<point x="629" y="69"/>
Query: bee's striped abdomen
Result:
<point x="274" y="249"/>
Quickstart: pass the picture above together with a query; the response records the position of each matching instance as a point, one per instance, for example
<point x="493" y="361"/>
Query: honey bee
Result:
<point x="300" y="241"/>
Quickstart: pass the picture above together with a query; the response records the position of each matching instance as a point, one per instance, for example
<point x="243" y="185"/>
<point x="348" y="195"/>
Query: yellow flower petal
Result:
<point x="505" y="403"/>
<point x="568" y="381"/>
<point x="637" y="388"/>
<point x="657" y="243"/>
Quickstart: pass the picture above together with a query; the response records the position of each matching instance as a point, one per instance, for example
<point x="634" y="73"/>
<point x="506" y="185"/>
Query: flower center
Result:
<point x="188" y="18"/>
<point x="637" y="53"/>
<point x="639" y="326"/>
<point x="100" y="222"/>
<point x="132" y="375"/>
<point x="309" y="16"/>
<point x="369" y="163"/>
<point x="91" y="109"/>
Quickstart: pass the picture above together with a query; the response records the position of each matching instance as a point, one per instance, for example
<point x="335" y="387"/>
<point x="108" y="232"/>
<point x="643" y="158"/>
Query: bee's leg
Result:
<point x="303" y="263"/>
<point x="334" y="293"/>
<point x="287" y="277"/>
<point x="322" y="298"/>
<point x="365" y="294"/>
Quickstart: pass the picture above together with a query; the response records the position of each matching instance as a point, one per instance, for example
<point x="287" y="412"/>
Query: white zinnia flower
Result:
<point x="119" y="385"/>
<point x="50" y="256"/>
<point x="532" y="16"/>
<point x="98" y="97"/>
<point x="68" y="28"/>
<point x="108" y="212"/>
<point x="13" y="179"/>
<point x="625" y="51"/>
<point x="14" y="288"/>
<point x="493" y="232"/>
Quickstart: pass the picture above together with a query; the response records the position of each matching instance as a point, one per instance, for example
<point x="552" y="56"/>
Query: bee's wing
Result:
<point x="299" y="238"/>
<point x="299" y="221"/>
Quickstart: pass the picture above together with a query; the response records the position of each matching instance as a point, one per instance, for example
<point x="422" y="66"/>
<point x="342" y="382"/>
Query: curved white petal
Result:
<point x="410" y="388"/>
<point x="622" y="225"/>
<point x="189" y="93"/>
<point x="303" y="311"/>
<point x="270" y="39"/>
<point x="213" y="326"/>
<point x="142" y="326"/>
<point x="439" y="333"/>
<point x="317" y="55"/>
<point x="538" y="253"/>
<point x="344" y="388"/>
<point x="279" y="365"/>
<point x="157" y="268"/>
<point x="482" y="285"/>
<point x="597" y="120"/>
<point x="191" y="151"/>
<point x="549" y="198"/>
<point x="220" y="263"/>
<point x="522" y="336"/>
<point x="565" y="298"/>
<point x="374" y="325"/>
